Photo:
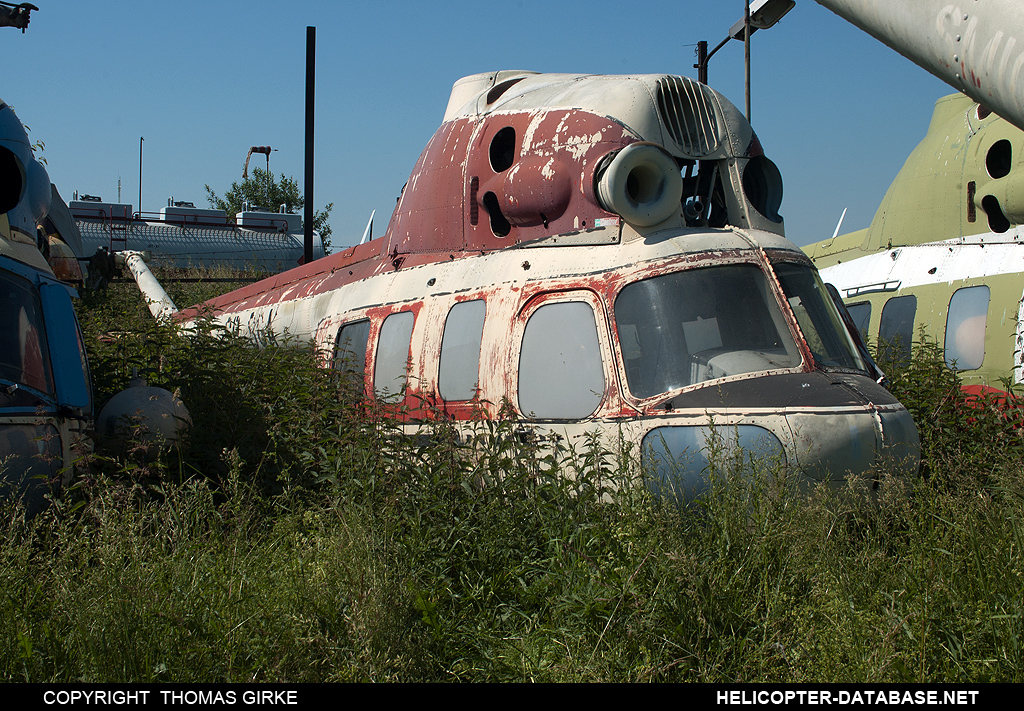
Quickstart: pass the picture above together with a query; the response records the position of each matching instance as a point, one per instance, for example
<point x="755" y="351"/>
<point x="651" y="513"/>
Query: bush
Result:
<point x="300" y="535"/>
<point x="959" y="432"/>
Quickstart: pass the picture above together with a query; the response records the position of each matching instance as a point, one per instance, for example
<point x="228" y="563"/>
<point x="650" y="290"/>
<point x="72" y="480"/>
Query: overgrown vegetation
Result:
<point x="299" y="536"/>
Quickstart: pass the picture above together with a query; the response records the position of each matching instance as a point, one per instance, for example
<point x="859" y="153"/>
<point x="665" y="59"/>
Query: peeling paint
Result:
<point x="433" y="256"/>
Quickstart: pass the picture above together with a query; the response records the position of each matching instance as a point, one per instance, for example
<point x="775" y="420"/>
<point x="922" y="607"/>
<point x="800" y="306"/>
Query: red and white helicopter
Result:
<point x="600" y="253"/>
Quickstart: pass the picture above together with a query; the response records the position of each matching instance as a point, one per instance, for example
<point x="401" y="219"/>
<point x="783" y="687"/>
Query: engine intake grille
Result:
<point x="687" y="110"/>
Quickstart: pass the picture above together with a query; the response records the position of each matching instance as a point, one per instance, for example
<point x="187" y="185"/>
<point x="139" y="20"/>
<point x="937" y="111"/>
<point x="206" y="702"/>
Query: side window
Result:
<point x="24" y="355"/>
<point x="389" y="370"/>
<point x="350" y="346"/>
<point x="459" y="371"/>
<point x="861" y="315"/>
<point x="965" y="328"/>
<point x="560" y="370"/>
<point x="896" y="328"/>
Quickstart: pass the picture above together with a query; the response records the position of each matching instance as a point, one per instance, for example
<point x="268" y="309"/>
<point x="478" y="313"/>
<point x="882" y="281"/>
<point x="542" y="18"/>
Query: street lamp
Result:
<point x="16" y="15"/>
<point x="758" y="15"/>
<point x="265" y="150"/>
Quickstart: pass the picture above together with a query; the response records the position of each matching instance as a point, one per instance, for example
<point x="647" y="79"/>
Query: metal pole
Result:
<point x="308" y="180"/>
<point x="746" y="56"/>
<point x="702" y="62"/>
<point x="141" y="139"/>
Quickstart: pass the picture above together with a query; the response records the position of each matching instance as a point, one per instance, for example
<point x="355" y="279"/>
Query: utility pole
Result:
<point x="759" y="16"/>
<point x="307" y="226"/>
<point x="702" y="62"/>
<point x="141" y="139"/>
<point x="746" y="56"/>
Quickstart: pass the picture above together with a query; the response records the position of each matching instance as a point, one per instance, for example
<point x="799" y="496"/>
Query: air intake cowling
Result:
<point x="642" y="184"/>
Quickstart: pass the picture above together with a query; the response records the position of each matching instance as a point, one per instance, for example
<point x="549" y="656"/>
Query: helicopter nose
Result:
<point x="866" y="432"/>
<point x="833" y="427"/>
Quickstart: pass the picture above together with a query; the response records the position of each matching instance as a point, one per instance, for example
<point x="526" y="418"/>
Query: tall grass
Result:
<point x="299" y="535"/>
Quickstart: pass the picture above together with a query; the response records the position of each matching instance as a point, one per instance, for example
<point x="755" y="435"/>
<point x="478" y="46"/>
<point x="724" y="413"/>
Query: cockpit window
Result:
<point x="684" y="328"/>
<point x="24" y="355"/>
<point x="830" y="342"/>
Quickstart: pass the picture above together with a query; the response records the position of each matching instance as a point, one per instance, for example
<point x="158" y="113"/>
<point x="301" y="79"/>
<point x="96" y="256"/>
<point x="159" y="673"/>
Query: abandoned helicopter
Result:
<point x="944" y="252"/>
<point x="545" y="250"/>
<point x="46" y="397"/>
<point x="45" y="390"/>
<point x="603" y="253"/>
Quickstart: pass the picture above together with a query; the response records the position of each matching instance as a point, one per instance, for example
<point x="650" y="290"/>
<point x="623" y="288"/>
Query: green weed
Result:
<point x="299" y="534"/>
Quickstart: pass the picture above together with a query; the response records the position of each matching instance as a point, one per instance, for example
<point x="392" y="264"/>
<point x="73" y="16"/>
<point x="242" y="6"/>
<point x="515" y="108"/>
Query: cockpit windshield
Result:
<point x="24" y="357"/>
<point x="691" y="326"/>
<point x="830" y="342"/>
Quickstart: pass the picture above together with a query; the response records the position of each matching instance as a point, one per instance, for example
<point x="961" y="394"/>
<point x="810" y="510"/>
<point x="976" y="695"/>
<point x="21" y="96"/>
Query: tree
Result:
<point x="263" y="189"/>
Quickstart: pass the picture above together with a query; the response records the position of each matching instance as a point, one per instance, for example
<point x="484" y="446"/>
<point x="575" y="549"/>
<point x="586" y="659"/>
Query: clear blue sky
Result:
<point x="202" y="81"/>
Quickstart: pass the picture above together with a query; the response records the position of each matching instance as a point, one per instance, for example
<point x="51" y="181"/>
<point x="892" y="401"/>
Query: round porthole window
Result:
<point x="998" y="159"/>
<point x="503" y="149"/>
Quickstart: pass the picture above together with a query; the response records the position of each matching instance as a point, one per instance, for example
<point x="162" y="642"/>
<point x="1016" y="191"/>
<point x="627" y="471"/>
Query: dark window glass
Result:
<point x="684" y="328"/>
<point x="861" y="315"/>
<point x="896" y="328"/>
<point x="31" y="456"/>
<point x="86" y="374"/>
<point x="350" y="347"/>
<point x="24" y="354"/>
<point x="820" y="322"/>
